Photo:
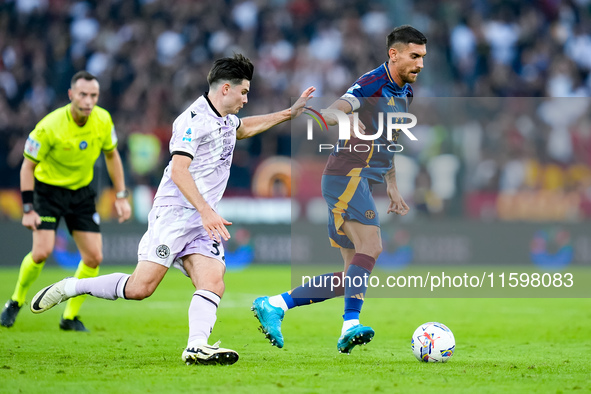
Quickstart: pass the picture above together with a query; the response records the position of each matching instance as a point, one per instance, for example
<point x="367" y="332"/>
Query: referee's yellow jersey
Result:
<point x="65" y="153"/>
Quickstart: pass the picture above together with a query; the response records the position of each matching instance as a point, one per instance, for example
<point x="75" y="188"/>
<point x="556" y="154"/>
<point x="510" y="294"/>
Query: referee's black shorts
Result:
<point x="76" y="206"/>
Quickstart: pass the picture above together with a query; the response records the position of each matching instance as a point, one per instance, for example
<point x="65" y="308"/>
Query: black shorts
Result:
<point x="76" y="206"/>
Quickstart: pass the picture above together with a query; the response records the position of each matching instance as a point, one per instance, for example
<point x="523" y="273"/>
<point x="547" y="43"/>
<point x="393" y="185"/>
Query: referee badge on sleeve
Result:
<point x="32" y="147"/>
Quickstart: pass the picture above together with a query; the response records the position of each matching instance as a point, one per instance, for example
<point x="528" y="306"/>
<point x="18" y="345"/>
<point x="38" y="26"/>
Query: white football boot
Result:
<point x="49" y="297"/>
<point x="209" y="355"/>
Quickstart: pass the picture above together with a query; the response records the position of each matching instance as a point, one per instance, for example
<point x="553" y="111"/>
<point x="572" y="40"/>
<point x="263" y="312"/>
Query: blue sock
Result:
<point x="319" y="288"/>
<point x="356" y="284"/>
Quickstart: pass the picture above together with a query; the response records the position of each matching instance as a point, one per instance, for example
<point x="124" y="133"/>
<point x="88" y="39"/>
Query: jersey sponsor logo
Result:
<point x="228" y="147"/>
<point x="187" y="136"/>
<point x="369" y="214"/>
<point x="32" y="147"/>
<point x="163" y="251"/>
<point x="226" y="152"/>
<point x="83" y="145"/>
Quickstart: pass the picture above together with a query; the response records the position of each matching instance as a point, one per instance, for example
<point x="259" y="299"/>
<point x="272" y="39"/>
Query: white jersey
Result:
<point x="202" y="134"/>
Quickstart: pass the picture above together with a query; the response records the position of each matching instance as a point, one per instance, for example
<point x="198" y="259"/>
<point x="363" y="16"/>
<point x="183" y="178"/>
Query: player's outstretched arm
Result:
<point x="253" y="125"/>
<point x="397" y="203"/>
<point x="345" y="107"/>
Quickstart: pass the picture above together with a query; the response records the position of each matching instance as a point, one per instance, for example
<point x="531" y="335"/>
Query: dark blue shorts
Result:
<point x="348" y="198"/>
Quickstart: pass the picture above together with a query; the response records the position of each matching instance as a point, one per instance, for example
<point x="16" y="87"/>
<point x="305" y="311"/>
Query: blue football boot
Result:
<point x="270" y="318"/>
<point x="356" y="335"/>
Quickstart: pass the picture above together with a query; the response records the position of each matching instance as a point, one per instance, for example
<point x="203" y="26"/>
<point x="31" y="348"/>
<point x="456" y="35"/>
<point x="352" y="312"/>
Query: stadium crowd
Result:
<point x="152" y="56"/>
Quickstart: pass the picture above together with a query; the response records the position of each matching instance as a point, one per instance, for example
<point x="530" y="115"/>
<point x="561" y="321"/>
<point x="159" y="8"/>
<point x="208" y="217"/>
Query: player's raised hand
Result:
<point x="397" y="203"/>
<point x="299" y="106"/>
<point x="215" y="225"/>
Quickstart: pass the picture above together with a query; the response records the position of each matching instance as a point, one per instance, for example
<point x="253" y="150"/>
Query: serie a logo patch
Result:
<point x="32" y="147"/>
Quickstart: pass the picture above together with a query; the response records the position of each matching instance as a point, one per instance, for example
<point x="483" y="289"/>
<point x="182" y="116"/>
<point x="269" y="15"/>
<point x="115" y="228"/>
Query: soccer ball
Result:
<point x="433" y="343"/>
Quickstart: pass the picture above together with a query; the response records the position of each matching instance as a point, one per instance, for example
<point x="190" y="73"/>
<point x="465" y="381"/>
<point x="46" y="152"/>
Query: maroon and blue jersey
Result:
<point x="373" y="94"/>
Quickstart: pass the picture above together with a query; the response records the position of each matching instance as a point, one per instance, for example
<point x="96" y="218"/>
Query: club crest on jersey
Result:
<point x="369" y="214"/>
<point x="83" y="145"/>
<point x="187" y="136"/>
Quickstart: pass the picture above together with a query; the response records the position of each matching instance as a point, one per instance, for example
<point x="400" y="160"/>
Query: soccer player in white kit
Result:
<point x="184" y="228"/>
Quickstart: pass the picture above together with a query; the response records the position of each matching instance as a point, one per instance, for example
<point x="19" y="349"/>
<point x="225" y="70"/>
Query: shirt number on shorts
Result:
<point x="216" y="247"/>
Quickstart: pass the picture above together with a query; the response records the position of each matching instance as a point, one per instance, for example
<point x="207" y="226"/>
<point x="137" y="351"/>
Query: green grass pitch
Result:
<point x="502" y="345"/>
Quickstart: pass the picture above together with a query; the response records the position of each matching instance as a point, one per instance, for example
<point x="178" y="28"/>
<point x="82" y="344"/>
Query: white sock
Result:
<point x="278" y="302"/>
<point x="197" y="342"/>
<point x="202" y="316"/>
<point x="70" y="287"/>
<point x="347" y="324"/>
<point x="109" y="287"/>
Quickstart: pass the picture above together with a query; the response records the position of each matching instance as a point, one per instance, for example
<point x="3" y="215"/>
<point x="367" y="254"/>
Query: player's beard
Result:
<point x="410" y="78"/>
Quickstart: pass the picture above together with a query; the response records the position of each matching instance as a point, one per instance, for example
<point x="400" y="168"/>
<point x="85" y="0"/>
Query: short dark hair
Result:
<point x="406" y="34"/>
<point x="82" y="75"/>
<point x="233" y="69"/>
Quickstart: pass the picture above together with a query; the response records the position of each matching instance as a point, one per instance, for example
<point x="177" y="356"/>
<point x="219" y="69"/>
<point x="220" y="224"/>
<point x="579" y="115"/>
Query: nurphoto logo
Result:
<point x="395" y="123"/>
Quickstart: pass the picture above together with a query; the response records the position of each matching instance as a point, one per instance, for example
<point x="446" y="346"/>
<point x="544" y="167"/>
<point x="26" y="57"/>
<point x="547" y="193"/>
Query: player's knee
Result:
<point x="219" y="288"/>
<point x="39" y="255"/>
<point x="93" y="260"/>
<point x="373" y="250"/>
<point x="377" y="250"/>
<point x="216" y="286"/>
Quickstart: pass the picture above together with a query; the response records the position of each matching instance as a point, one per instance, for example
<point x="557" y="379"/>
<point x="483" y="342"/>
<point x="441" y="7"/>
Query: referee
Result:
<point x="58" y="167"/>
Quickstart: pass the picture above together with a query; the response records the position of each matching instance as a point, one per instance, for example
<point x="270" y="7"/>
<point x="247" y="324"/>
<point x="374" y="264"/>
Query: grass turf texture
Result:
<point x="502" y="345"/>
